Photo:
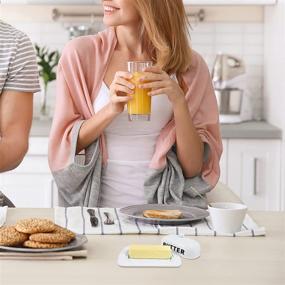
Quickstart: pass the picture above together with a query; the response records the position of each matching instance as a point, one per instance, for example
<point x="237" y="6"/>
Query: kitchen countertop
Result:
<point x="224" y="260"/>
<point x="245" y="130"/>
<point x="250" y="130"/>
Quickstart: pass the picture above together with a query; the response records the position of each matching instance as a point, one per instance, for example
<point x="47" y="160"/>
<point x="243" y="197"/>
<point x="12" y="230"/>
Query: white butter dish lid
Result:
<point x="185" y="247"/>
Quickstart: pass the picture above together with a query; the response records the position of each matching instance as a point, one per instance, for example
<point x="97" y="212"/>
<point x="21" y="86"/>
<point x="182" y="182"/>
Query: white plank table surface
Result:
<point x="242" y="261"/>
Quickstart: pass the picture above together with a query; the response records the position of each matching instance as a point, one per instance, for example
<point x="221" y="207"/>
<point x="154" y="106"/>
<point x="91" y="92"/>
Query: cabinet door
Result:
<point x="28" y="190"/>
<point x="30" y="184"/>
<point x="254" y="172"/>
<point x="224" y="163"/>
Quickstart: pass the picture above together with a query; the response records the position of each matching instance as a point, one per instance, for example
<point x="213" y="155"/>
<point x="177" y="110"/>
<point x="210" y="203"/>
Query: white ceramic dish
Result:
<point x="125" y="261"/>
<point x="79" y="241"/>
<point x="227" y="217"/>
<point x="189" y="214"/>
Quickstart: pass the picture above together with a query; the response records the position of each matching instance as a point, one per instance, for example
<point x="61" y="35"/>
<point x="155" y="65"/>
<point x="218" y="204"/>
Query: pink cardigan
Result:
<point x="80" y="73"/>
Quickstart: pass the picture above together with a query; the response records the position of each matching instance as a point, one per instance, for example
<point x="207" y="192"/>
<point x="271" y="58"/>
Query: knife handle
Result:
<point x="94" y="221"/>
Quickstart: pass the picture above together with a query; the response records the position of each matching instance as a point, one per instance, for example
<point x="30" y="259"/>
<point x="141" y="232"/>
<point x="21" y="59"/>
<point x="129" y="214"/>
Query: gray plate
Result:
<point x="76" y="243"/>
<point x="189" y="214"/>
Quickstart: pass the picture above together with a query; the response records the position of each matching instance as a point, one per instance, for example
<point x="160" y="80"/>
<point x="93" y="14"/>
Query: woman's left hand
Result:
<point x="160" y="82"/>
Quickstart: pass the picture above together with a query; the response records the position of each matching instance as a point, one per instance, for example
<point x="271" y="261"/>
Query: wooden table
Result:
<point x="243" y="261"/>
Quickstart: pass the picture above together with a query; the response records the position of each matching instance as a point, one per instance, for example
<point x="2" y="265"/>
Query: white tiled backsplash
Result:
<point x="244" y="40"/>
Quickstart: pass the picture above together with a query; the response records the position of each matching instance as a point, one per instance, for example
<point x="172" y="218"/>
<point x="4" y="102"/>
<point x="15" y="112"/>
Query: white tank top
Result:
<point x="130" y="147"/>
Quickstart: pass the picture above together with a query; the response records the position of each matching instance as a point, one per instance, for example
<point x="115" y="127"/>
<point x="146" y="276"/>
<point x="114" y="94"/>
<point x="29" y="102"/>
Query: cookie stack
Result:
<point x="35" y="233"/>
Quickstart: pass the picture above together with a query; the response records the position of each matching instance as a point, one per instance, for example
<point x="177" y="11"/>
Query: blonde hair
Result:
<point x="164" y="32"/>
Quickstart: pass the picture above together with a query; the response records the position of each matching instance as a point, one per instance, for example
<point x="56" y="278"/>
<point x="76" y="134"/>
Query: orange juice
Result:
<point x="140" y="105"/>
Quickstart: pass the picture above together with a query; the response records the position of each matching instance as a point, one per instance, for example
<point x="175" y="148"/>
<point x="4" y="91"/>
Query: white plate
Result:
<point x="189" y="214"/>
<point x="76" y="243"/>
<point x="125" y="261"/>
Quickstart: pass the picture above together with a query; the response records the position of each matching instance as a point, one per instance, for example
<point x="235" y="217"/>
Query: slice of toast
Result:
<point x="163" y="214"/>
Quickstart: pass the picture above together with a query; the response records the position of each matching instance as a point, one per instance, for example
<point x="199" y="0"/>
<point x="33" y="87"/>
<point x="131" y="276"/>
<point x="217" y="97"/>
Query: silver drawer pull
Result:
<point x="255" y="177"/>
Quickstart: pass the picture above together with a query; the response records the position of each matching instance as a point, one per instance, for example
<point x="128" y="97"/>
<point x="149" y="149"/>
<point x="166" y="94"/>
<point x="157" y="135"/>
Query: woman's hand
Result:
<point x="121" y="91"/>
<point x="91" y="129"/>
<point x="161" y="83"/>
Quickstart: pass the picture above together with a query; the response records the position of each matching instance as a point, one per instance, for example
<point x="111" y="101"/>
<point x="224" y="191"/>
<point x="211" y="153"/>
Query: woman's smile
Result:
<point x="108" y="10"/>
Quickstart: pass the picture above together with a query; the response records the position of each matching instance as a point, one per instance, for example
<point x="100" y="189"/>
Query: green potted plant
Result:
<point x="47" y="61"/>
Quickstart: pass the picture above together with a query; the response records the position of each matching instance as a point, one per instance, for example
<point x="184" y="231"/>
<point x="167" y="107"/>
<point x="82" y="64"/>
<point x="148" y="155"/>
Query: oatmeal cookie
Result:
<point x="59" y="229"/>
<point x="50" y="237"/>
<point x="9" y="236"/>
<point x="35" y="225"/>
<point x="43" y="245"/>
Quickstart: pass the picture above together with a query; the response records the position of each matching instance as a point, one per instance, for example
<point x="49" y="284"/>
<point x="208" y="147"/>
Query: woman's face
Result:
<point x="120" y="12"/>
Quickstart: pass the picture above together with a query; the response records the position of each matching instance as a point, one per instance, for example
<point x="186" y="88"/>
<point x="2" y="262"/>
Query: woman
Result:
<point x="139" y="164"/>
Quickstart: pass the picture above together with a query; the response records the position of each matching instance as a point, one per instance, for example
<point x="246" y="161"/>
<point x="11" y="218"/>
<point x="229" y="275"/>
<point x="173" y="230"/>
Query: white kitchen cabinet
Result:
<point x="31" y="184"/>
<point x="251" y="168"/>
<point x="254" y="172"/>
<point x="28" y="189"/>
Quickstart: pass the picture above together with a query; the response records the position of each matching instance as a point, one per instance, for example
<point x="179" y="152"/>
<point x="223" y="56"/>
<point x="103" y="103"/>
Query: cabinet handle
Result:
<point x="255" y="177"/>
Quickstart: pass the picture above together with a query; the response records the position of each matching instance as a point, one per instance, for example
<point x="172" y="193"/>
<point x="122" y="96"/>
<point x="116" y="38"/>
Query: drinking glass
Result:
<point x="139" y="108"/>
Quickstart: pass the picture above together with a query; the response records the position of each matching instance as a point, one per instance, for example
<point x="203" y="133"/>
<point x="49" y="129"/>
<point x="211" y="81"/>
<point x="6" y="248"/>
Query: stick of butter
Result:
<point x="137" y="251"/>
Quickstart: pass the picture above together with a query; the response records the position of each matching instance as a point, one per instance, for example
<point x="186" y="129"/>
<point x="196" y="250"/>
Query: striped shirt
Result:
<point x="18" y="64"/>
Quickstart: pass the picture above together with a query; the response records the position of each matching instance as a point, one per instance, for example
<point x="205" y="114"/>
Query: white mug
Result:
<point x="227" y="217"/>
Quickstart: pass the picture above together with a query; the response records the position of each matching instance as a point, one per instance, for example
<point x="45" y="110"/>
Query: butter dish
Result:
<point x="183" y="246"/>
<point x="125" y="261"/>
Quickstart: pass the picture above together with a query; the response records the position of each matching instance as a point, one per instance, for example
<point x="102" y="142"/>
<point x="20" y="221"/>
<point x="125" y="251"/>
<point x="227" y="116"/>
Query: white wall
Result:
<point x="274" y="60"/>
<point x="235" y="30"/>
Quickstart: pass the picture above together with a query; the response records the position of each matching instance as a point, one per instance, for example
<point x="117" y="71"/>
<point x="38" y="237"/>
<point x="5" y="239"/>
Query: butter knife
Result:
<point x="93" y="218"/>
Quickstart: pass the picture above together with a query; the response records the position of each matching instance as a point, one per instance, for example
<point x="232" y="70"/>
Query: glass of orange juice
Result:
<point x="139" y="108"/>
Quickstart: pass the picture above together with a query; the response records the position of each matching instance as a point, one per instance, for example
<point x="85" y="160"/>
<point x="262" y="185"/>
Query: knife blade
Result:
<point x="93" y="218"/>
